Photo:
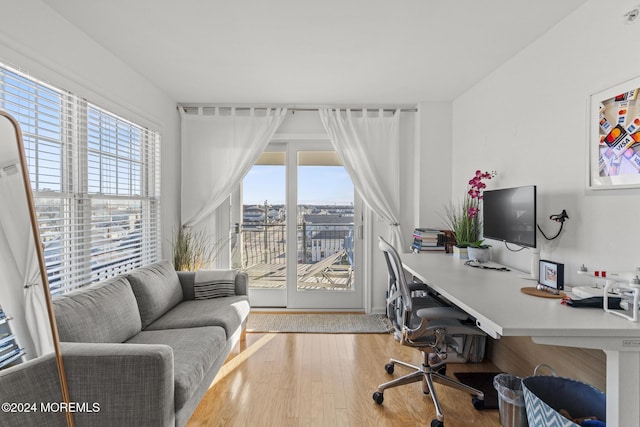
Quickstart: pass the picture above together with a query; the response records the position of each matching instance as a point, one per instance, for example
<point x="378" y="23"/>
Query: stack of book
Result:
<point x="10" y="353"/>
<point x="427" y="239"/>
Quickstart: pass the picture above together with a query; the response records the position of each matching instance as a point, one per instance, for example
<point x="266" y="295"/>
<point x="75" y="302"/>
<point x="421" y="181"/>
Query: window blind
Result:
<point x="95" y="177"/>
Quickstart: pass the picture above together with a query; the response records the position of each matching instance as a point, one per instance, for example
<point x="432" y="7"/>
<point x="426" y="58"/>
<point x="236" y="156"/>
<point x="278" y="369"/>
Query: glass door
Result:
<point x="327" y="223"/>
<point x="300" y="232"/>
<point x="263" y="231"/>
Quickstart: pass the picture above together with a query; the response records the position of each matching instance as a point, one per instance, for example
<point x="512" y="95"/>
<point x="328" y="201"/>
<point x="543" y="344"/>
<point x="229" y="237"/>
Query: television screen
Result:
<point x="509" y="215"/>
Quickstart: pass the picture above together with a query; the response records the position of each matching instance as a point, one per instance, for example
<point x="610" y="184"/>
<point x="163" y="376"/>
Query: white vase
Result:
<point x="460" y="253"/>
<point x="479" y="254"/>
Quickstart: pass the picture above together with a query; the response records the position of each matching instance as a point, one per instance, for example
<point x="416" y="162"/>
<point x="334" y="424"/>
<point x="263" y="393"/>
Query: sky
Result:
<point x="317" y="185"/>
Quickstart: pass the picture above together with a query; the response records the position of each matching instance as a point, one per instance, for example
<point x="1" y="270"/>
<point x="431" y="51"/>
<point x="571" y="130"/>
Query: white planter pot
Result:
<point x="479" y="254"/>
<point x="460" y="253"/>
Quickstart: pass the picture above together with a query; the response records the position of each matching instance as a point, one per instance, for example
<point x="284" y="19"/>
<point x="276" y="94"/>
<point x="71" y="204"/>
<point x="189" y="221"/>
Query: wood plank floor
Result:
<point x="327" y="380"/>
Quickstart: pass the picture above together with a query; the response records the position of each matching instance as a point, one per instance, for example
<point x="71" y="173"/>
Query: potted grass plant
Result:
<point x="194" y="250"/>
<point x="464" y="221"/>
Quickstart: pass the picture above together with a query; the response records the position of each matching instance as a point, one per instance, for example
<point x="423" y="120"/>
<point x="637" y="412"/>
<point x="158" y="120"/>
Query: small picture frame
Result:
<point x="551" y="274"/>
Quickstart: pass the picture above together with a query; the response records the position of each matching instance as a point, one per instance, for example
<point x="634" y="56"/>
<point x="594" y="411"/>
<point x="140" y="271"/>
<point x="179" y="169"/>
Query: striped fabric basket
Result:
<point x="545" y="396"/>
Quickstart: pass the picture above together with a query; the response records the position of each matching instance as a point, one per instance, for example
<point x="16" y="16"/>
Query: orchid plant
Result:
<point x="463" y="219"/>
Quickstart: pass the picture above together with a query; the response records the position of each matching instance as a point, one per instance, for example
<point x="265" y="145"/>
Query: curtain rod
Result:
<point x="404" y="108"/>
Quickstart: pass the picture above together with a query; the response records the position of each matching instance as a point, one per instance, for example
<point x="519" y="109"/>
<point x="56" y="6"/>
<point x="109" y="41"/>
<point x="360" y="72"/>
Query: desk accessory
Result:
<point x="561" y="218"/>
<point x="630" y="296"/>
<point x="550" y="276"/>
<point x="485" y="266"/>
<point x="535" y="264"/>
<point x="621" y="293"/>
<point x="587" y="291"/>
<point x="530" y="290"/>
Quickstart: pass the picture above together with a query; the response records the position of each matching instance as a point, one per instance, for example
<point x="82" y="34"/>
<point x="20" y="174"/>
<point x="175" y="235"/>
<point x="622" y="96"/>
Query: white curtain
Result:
<point x="20" y="262"/>
<point x="368" y="145"/>
<point x="217" y="152"/>
<point x="36" y="312"/>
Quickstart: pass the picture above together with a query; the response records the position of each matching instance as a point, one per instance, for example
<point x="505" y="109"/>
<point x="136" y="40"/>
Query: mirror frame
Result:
<point x="41" y="263"/>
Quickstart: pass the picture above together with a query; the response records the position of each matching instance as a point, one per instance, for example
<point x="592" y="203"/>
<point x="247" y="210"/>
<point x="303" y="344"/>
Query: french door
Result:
<point x="301" y="231"/>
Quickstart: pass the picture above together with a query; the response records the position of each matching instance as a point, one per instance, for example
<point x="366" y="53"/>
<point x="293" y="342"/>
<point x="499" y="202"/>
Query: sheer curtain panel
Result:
<point x="219" y="146"/>
<point x="368" y="145"/>
<point x="19" y="267"/>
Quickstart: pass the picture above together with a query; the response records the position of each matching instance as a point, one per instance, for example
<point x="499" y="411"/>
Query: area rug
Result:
<point x="323" y="323"/>
<point x="482" y="381"/>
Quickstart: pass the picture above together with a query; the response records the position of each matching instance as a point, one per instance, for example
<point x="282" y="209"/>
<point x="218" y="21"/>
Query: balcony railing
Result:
<point x="327" y="248"/>
<point x="263" y="244"/>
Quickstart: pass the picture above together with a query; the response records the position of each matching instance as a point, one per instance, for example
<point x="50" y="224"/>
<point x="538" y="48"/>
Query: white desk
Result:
<point x="494" y="299"/>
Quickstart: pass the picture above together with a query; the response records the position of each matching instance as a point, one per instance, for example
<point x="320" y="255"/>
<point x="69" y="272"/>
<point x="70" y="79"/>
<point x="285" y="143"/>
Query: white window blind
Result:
<point x="95" y="178"/>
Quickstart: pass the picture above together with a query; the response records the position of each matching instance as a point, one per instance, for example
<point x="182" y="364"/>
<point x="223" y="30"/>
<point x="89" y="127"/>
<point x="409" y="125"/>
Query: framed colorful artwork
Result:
<point x="614" y="137"/>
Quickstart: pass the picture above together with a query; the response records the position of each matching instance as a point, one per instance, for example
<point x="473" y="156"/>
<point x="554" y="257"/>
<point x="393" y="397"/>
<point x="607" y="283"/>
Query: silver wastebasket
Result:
<point x="510" y="400"/>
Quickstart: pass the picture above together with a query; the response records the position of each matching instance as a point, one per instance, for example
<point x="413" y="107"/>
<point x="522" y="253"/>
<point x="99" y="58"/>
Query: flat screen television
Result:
<point x="509" y="215"/>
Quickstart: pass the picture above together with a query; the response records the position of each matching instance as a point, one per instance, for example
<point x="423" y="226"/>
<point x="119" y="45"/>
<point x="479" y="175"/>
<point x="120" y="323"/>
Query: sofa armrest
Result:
<point x="133" y="384"/>
<point x="242" y="283"/>
<point x="187" y="280"/>
<point x="33" y="385"/>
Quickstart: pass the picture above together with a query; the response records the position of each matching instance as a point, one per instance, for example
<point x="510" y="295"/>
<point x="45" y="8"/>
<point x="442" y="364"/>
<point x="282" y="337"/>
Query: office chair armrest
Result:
<point x="436" y="313"/>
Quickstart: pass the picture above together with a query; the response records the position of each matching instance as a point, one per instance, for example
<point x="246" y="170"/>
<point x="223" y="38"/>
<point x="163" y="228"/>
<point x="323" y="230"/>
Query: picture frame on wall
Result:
<point x="614" y="137"/>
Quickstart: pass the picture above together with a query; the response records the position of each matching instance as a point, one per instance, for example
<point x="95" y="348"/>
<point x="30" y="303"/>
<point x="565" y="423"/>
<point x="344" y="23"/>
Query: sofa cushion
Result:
<point x="103" y="312"/>
<point x="157" y="290"/>
<point x="194" y="352"/>
<point x="227" y="312"/>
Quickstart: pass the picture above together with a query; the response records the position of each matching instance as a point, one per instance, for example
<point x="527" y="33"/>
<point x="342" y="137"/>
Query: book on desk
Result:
<point x="430" y="239"/>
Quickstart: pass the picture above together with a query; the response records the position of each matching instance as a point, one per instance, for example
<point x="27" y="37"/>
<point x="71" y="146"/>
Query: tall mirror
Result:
<point x="27" y="324"/>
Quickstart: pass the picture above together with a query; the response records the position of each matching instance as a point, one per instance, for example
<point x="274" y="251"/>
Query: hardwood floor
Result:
<point x="327" y="380"/>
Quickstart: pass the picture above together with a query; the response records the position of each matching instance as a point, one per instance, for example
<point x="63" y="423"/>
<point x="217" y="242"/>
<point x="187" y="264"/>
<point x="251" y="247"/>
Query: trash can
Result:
<point x="546" y="397"/>
<point x="510" y="400"/>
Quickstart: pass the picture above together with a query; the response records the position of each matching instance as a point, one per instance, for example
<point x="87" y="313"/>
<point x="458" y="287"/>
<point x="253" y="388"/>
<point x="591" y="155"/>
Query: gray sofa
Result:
<point x="139" y="345"/>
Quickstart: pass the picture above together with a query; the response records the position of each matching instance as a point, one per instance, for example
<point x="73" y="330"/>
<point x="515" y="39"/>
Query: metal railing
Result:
<point x="263" y="244"/>
<point x="266" y="243"/>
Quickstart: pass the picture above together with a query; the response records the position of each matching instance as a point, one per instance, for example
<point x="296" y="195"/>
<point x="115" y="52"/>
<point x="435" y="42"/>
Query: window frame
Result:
<point x="68" y="171"/>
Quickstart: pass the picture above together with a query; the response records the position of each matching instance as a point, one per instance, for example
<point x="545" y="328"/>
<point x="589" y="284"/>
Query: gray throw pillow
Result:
<point x="214" y="289"/>
<point x="214" y="284"/>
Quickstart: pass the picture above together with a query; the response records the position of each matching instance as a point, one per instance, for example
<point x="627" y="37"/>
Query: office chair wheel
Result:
<point x="477" y="403"/>
<point x="378" y="397"/>
<point x="389" y="367"/>
<point x="436" y="423"/>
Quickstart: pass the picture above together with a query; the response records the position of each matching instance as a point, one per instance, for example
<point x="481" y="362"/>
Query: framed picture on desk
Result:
<point x="551" y="274"/>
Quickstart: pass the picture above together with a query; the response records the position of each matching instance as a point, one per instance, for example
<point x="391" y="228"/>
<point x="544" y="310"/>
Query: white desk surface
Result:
<point x="495" y="300"/>
<point x="501" y="309"/>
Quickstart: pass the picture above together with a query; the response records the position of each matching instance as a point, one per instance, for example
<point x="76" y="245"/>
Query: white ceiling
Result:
<point x="314" y="52"/>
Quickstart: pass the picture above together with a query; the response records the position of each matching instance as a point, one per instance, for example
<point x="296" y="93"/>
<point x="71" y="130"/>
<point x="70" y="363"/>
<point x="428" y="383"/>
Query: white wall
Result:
<point x="37" y="41"/>
<point x="528" y="121"/>
<point x="433" y="162"/>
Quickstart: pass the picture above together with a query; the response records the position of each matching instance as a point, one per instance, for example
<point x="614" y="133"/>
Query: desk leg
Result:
<point x="623" y="388"/>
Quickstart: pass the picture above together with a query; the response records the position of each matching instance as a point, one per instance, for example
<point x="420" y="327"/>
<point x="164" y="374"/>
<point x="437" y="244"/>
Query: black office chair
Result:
<point x="427" y="326"/>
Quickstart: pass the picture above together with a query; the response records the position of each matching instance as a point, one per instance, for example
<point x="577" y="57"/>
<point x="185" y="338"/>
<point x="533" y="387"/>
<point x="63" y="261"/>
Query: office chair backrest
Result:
<point x="395" y="267"/>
